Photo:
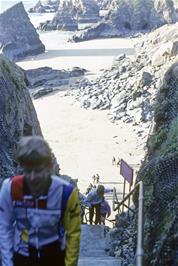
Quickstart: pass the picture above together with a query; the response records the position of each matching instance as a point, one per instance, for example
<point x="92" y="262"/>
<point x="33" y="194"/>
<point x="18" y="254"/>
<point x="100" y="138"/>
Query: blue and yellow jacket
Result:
<point x="37" y="222"/>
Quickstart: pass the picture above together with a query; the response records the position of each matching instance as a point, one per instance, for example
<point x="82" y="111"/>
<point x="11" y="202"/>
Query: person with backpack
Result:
<point x="39" y="212"/>
<point x="93" y="200"/>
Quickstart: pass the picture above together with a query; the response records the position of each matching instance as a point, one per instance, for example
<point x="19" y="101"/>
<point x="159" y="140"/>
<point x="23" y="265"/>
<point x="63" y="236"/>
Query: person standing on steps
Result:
<point x="39" y="212"/>
<point x="105" y="210"/>
<point x="93" y="201"/>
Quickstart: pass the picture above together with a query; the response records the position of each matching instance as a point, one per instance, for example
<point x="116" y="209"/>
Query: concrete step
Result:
<point x="92" y="247"/>
<point x="99" y="261"/>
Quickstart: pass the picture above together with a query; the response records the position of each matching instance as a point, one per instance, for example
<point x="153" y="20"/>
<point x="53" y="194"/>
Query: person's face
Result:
<point x="38" y="179"/>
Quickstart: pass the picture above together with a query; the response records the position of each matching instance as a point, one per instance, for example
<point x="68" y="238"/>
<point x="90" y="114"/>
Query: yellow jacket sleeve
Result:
<point x="72" y="225"/>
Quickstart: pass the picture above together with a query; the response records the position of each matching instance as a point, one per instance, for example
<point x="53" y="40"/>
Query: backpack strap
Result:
<point x="67" y="191"/>
<point x="17" y="187"/>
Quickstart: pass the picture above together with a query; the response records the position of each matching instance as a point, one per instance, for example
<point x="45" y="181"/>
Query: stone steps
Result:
<point x="92" y="247"/>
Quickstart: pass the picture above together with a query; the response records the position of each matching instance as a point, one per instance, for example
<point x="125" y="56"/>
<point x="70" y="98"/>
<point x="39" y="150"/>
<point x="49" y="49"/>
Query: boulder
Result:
<point x="18" y="37"/>
<point x="46" y="76"/>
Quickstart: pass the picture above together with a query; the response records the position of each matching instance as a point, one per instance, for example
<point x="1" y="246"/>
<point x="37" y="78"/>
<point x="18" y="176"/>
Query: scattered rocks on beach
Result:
<point x="45" y="80"/>
<point x="18" y="37"/>
<point x="129" y="88"/>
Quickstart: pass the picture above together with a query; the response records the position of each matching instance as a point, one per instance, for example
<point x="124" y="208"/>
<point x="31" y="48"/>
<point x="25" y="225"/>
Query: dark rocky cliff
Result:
<point x="18" y="37"/>
<point x="17" y="115"/>
<point x="160" y="177"/>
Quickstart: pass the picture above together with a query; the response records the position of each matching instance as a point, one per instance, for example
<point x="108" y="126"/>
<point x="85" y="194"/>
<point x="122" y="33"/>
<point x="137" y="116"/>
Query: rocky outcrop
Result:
<point x="18" y="37"/>
<point x="70" y="13"/>
<point x="17" y="115"/>
<point x="128" y="90"/>
<point x="64" y="19"/>
<point x="45" y="7"/>
<point x="87" y="11"/>
<point x="103" y="4"/>
<point x="45" y="80"/>
<point x="131" y="17"/>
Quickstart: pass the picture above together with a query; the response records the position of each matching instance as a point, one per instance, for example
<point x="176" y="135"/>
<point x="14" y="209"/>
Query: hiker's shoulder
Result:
<point x="62" y="179"/>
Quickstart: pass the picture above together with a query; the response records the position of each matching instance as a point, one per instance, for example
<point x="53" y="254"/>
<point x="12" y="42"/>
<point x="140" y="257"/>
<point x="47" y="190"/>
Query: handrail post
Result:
<point x="140" y="253"/>
<point x="113" y="198"/>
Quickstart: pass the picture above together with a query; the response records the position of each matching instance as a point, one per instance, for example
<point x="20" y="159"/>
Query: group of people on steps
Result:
<point x="40" y="213"/>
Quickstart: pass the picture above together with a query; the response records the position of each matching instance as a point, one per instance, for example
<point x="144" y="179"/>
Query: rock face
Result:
<point x="17" y="115"/>
<point x="128" y="90"/>
<point x="160" y="177"/>
<point x="103" y="4"/>
<point x="71" y="12"/>
<point x="45" y="7"/>
<point x="130" y="17"/>
<point x="87" y="11"/>
<point x="18" y="37"/>
<point x="65" y="18"/>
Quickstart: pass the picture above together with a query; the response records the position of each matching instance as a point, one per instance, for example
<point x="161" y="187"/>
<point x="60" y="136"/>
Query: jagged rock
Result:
<point x="129" y="17"/>
<point x="65" y="18"/>
<point x="70" y="13"/>
<point x="87" y="11"/>
<point x="48" y="6"/>
<point x="21" y="39"/>
<point x="103" y="4"/>
<point x="17" y="115"/>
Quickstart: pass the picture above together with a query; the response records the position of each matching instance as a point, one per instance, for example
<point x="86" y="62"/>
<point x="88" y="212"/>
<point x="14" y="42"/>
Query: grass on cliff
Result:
<point x="170" y="146"/>
<point x="11" y="71"/>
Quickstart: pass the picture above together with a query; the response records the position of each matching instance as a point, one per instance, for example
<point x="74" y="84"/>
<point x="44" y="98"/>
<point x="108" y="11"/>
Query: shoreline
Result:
<point x="93" y="55"/>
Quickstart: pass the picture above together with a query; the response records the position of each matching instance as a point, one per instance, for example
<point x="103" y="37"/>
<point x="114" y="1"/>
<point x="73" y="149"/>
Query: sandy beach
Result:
<point x="84" y="141"/>
<point x="94" y="55"/>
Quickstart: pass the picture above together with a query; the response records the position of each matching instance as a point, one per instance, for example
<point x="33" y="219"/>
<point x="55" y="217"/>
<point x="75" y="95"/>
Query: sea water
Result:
<point x="5" y="4"/>
<point x="35" y="18"/>
<point x="60" y="53"/>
